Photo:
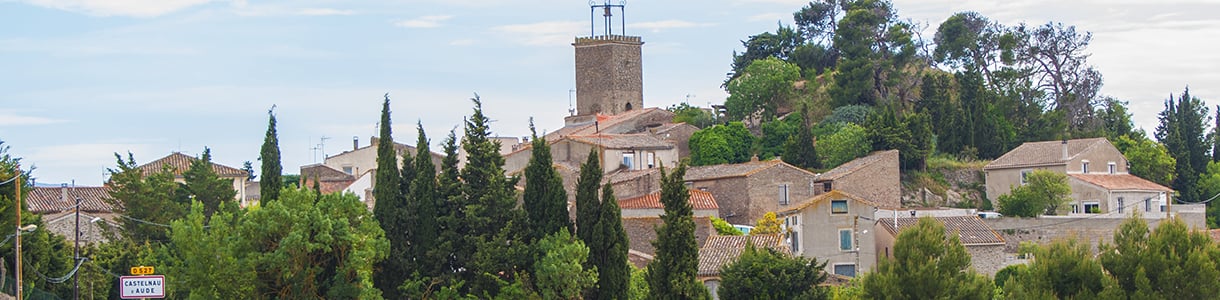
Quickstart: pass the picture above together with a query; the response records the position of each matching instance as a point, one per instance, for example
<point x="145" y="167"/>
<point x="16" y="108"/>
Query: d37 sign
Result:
<point x="137" y="287"/>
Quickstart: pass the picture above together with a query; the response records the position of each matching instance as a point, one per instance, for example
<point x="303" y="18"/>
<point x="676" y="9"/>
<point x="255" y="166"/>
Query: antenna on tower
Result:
<point x="608" y="14"/>
<point x="322" y="146"/>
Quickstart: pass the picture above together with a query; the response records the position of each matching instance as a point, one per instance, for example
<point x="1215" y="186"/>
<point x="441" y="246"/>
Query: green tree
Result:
<point x="778" y="45"/>
<point x="42" y="251"/>
<point x="1043" y="192"/>
<point x="769" y="274"/>
<point x="1148" y="159"/>
<point x="848" y="143"/>
<point x="775" y="135"/>
<point x="609" y="256"/>
<point x="205" y="186"/>
<point x="1171" y="262"/>
<point x="544" y="200"/>
<point x="693" y="115"/>
<point x="1065" y="269"/>
<point x="269" y="157"/>
<point x="764" y="88"/>
<point x="146" y="199"/>
<point x="799" y="149"/>
<point x="207" y="263"/>
<point x="1115" y="119"/>
<point x="310" y="246"/>
<point x="390" y="209"/>
<point x="672" y="274"/>
<point x="927" y="264"/>
<point x="876" y="50"/>
<point x="588" y="209"/>
<point x="422" y="210"/>
<point x="723" y="227"/>
<point x="1182" y="130"/>
<point x="720" y="144"/>
<point x="560" y="271"/>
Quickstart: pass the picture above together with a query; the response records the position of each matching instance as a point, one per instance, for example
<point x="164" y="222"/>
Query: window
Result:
<point x="826" y="186"/>
<point x="795" y="236"/>
<point x="1092" y="208"/>
<point x="1084" y="167"/>
<point x="848" y="270"/>
<point x="1148" y="205"/>
<point x="845" y="241"/>
<point x="1075" y="208"/>
<point x="783" y="194"/>
<point x="348" y="170"/>
<point x="652" y="160"/>
<point x="1112" y="167"/>
<point x="1025" y="176"/>
<point x="838" y="206"/>
<point x="1120" y="205"/>
<point x="627" y="159"/>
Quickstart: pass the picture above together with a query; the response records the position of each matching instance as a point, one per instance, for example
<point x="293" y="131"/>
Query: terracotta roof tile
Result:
<point x="179" y="162"/>
<point x="42" y="200"/>
<point x="608" y="124"/>
<point x="699" y="200"/>
<point x="856" y="164"/>
<point x="720" y="250"/>
<point x="1120" y="182"/>
<point x="1043" y="153"/>
<point x="970" y="229"/>
<point x="728" y="170"/>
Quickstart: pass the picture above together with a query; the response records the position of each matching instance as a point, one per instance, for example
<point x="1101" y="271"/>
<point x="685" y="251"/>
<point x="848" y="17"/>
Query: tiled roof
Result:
<point x="970" y="229"/>
<point x="1043" y="153"/>
<point x="42" y="200"/>
<point x="324" y="173"/>
<point x="624" y="141"/>
<point x="856" y="164"/>
<point x="833" y="194"/>
<point x="720" y="250"/>
<point x="728" y="170"/>
<point x="179" y="162"/>
<point x="699" y="200"/>
<point x="627" y="175"/>
<point x="1120" y="182"/>
<point x="607" y="124"/>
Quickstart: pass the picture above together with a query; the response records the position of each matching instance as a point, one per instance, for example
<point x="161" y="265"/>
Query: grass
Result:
<point x="942" y="161"/>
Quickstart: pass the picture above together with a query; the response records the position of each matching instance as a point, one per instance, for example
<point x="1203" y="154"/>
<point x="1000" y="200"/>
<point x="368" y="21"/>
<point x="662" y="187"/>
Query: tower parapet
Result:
<point x="609" y="69"/>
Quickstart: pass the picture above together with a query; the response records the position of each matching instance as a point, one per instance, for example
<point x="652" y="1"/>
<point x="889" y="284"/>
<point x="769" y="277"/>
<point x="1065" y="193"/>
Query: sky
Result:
<point x="81" y="80"/>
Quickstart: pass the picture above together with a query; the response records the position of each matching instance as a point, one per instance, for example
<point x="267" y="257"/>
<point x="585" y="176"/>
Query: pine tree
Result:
<point x="205" y="186"/>
<point x="269" y="187"/>
<point x="388" y="209"/>
<point x="610" y="257"/>
<point x="588" y="211"/>
<point x="424" y="202"/>
<point x="672" y="274"/>
<point x="1182" y="127"/>
<point x="545" y="201"/>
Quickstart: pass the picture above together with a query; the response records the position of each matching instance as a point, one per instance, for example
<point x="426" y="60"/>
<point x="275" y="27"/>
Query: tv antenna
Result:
<point x="608" y="14"/>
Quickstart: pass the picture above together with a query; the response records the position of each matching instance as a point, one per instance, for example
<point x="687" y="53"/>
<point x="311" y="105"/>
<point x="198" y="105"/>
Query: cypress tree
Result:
<point x="672" y="274"/>
<point x="613" y="271"/>
<point x="799" y="149"/>
<point x="272" y="170"/>
<point x="388" y="209"/>
<point x="544" y="200"/>
<point x="587" y="208"/>
<point x="423" y="200"/>
<point x="453" y="227"/>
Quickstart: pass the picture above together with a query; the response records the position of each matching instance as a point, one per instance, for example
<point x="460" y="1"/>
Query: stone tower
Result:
<point x="609" y="74"/>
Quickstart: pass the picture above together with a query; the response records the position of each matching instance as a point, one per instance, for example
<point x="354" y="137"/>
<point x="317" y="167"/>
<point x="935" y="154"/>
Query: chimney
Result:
<point x="373" y="141"/>
<point x="355" y="142"/>
<point x="63" y="191"/>
<point x="754" y="158"/>
<point x="1065" y="149"/>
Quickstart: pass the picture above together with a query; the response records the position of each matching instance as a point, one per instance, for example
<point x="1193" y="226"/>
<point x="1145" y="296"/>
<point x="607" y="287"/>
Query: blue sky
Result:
<point x="84" y="79"/>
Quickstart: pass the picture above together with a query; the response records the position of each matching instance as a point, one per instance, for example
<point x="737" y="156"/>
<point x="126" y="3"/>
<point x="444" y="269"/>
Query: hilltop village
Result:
<point x="784" y="187"/>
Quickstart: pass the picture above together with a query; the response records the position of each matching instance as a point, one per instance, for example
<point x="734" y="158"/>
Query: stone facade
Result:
<point x="1080" y="156"/>
<point x="609" y="74"/>
<point x="641" y="231"/>
<point x="747" y="191"/>
<point x="874" y="177"/>
<point x="817" y="229"/>
<point x="1093" y="230"/>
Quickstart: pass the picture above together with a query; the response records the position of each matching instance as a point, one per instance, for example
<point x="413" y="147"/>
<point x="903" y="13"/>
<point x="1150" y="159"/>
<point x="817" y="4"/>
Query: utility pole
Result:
<point x="18" y="222"/>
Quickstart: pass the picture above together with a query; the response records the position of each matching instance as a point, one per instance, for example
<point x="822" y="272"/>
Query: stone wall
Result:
<point x="879" y="181"/>
<point x="609" y="74"/>
<point x="1092" y="229"/>
<point x="988" y="259"/>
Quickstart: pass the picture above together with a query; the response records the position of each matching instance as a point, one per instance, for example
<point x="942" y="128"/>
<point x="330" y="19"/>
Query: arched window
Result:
<point x="628" y="106"/>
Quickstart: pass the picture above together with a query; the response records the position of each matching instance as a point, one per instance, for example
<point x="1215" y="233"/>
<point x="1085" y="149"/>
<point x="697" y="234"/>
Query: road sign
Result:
<point x="142" y="270"/>
<point x="137" y="287"/>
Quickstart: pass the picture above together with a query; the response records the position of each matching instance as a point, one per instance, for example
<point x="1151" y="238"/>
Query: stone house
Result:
<point x="703" y="204"/>
<point x="1096" y="171"/>
<point x="874" y="177"/>
<point x="641" y="231"/>
<point x="721" y="250"/>
<point x="747" y="191"/>
<point x="832" y="226"/>
<point x="641" y="215"/>
<point x="361" y="160"/>
<point x="179" y="163"/>
<point x="57" y="205"/>
<point x="984" y="244"/>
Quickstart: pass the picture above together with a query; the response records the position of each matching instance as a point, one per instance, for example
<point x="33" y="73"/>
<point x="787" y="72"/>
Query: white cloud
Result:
<point x="325" y="12"/>
<point x="543" y="33"/>
<point x="11" y="118"/>
<point x="656" y="26"/>
<point x="131" y="8"/>
<point x="423" y="22"/>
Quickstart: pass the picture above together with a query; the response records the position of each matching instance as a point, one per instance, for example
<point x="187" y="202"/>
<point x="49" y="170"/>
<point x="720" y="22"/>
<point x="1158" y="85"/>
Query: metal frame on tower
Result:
<point x="608" y="14"/>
